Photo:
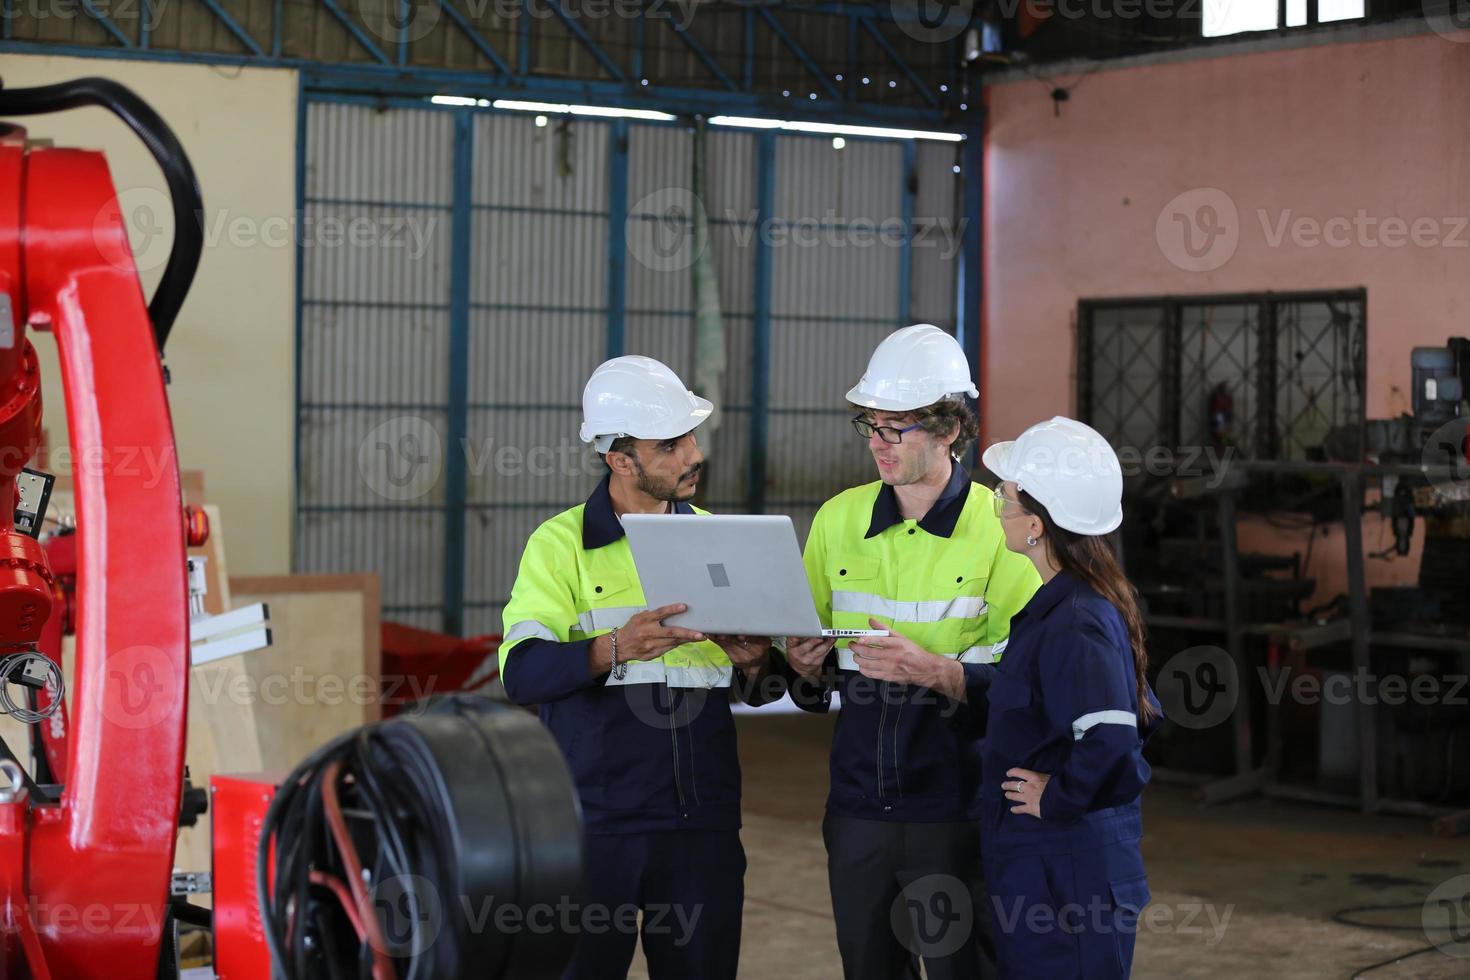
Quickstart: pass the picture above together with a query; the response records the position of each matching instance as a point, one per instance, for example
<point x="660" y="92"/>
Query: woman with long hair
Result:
<point x="1069" y="709"/>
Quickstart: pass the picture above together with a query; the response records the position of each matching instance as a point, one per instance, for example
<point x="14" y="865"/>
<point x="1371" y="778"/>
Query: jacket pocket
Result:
<point x="842" y="572"/>
<point x="1130" y="895"/>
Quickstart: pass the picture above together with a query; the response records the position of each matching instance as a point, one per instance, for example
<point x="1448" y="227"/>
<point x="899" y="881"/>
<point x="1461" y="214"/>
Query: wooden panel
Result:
<point x="207" y="720"/>
<point x="321" y="675"/>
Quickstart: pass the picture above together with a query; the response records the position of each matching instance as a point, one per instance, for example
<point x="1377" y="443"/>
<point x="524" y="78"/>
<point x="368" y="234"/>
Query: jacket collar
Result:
<point x="600" y="524"/>
<point x="1049" y="596"/>
<point x="942" y="516"/>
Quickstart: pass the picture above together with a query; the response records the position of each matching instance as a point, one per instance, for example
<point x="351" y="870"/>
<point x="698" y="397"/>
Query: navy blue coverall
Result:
<point x="1066" y="889"/>
<point x="653" y="757"/>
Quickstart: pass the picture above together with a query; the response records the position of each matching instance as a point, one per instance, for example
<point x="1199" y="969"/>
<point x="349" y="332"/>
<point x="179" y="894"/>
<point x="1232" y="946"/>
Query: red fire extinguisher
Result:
<point x="1222" y="418"/>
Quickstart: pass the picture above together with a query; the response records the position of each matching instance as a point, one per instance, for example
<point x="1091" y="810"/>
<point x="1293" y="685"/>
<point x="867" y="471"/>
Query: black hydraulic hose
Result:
<point x="183" y="186"/>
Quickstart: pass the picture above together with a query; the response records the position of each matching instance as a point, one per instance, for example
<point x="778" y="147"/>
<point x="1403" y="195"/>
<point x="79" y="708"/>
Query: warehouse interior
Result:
<point x="1231" y="236"/>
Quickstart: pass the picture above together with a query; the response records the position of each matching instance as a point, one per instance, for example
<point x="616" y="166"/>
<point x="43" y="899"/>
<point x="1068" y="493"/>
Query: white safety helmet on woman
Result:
<point x="913" y="368"/>
<point x="1069" y="469"/>
<point x="640" y="397"/>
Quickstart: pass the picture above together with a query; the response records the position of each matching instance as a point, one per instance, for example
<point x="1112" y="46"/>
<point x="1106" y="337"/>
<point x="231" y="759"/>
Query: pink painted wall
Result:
<point x="1332" y="139"/>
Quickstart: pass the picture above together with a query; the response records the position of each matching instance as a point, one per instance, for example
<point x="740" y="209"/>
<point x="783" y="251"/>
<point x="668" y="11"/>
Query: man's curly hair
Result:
<point x="941" y="418"/>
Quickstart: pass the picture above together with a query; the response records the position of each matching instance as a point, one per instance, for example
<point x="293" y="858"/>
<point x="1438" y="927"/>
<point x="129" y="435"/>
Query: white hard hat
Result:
<point x="639" y="397"/>
<point x="1071" y="471"/>
<point x="912" y="368"/>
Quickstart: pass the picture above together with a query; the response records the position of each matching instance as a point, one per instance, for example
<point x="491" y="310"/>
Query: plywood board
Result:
<point x="269" y="709"/>
<point x="209" y="721"/>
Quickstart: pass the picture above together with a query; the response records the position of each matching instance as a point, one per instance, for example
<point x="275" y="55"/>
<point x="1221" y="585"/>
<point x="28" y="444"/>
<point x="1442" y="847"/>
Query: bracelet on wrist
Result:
<point x="619" y="671"/>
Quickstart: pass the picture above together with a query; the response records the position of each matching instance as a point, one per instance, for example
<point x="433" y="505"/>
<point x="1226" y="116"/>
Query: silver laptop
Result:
<point x="736" y="573"/>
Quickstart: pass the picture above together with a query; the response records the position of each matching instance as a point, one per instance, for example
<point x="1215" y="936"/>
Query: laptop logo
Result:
<point x="717" y="576"/>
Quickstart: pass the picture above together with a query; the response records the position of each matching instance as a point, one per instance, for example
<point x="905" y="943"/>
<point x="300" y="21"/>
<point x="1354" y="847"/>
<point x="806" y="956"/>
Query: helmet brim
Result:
<point x="671" y="429"/>
<point x="997" y="459"/>
<point x="857" y="396"/>
<point x="1000" y="460"/>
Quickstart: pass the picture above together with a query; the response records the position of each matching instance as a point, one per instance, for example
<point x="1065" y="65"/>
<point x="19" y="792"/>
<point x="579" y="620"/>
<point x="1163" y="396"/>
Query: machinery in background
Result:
<point x="103" y="840"/>
<point x="1434" y="435"/>
<point x="472" y="798"/>
<point x="1382" y="751"/>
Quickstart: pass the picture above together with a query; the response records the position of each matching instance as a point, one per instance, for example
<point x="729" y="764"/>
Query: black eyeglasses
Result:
<point x="887" y="433"/>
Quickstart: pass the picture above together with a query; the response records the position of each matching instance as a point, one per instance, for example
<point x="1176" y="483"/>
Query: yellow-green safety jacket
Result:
<point x="653" y="750"/>
<point x="947" y="582"/>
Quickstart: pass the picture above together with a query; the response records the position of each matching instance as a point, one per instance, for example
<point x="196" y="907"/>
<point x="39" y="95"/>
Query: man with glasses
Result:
<point x="921" y="554"/>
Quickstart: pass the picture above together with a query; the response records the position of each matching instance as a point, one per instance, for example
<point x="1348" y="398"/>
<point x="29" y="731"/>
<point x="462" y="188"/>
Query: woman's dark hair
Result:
<point x="1090" y="559"/>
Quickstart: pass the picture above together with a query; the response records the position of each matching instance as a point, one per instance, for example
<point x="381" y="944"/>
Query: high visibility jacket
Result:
<point x="947" y="582"/>
<point x="653" y="750"/>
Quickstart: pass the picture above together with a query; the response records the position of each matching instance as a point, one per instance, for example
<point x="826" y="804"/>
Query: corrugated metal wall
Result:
<point x="374" y="354"/>
<point x="561" y="226"/>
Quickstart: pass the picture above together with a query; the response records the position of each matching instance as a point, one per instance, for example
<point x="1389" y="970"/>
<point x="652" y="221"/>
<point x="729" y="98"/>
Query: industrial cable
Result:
<point x="1341" y="918"/>
<point x="382" y="968"/>
<point x="1392" y="961"/>
<point x="380" y="837"/>
<point x="167" y="151"/>
<point x="55" y="685"/>
<point x="334" y="884"/>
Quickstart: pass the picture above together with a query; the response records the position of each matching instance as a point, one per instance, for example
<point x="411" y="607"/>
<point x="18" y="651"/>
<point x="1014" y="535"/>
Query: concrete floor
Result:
<point x="1259" y="880"/>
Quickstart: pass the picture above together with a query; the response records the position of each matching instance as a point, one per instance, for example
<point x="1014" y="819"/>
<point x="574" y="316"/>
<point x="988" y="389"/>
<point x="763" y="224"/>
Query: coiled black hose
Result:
<point x="439" y="816"/>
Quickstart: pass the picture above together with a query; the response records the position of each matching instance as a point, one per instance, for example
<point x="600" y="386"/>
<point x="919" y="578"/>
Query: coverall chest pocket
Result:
<point x="853" y="574"/>
<point x="1013" y="723"/>
<point x="614" y="596"/>
<point x="601" y="586"/>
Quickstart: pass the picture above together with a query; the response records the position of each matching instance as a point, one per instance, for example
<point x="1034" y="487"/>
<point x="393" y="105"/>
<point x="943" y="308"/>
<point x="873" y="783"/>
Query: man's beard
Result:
<point x="913" y="471"/>
<point x="658" y="490"/>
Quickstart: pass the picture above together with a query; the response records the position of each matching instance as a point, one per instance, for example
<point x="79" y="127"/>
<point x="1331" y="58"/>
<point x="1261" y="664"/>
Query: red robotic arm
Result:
<point x="86" y="879"/>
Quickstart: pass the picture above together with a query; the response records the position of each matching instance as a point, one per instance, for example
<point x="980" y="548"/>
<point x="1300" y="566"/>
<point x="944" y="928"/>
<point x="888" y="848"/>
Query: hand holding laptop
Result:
<point x="643" y="637"/>
<point x="806" y="655"/>
<point x="741" y="574"/>
<point x="743" y="651"/>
